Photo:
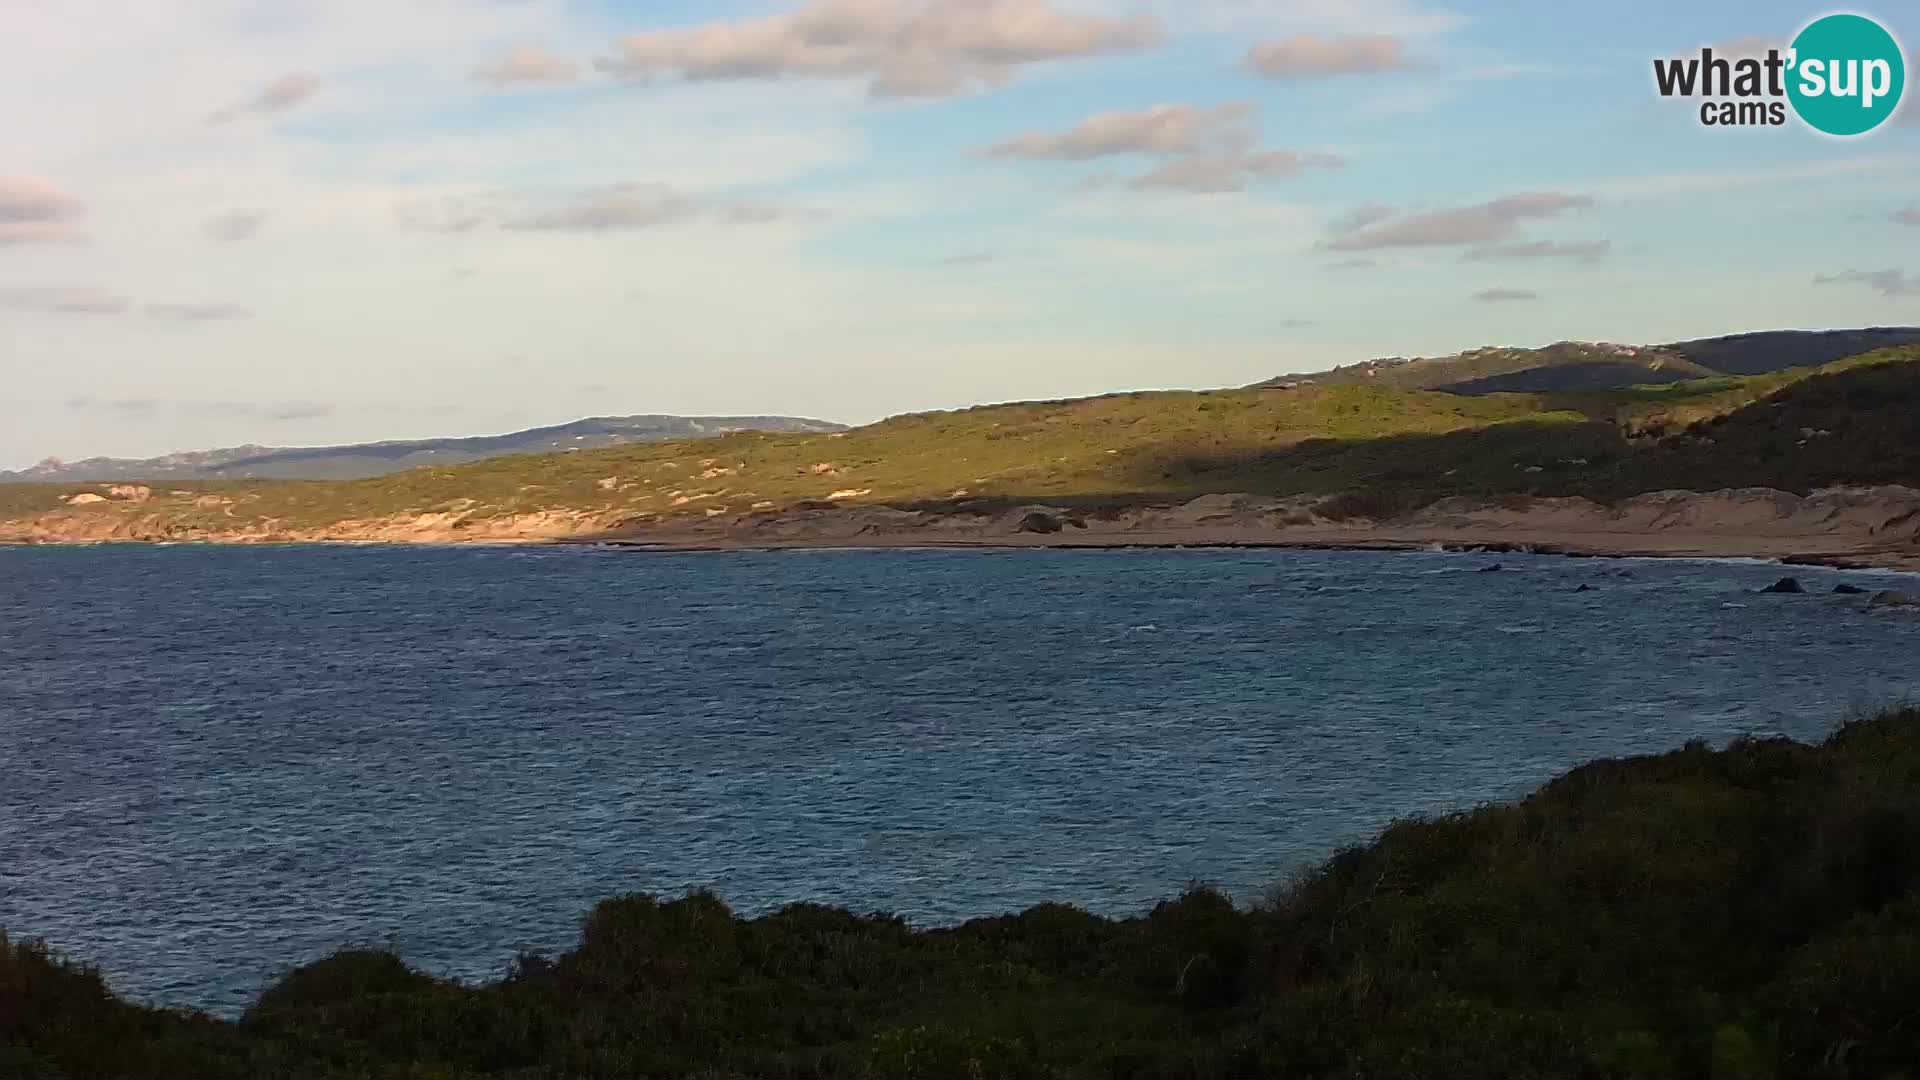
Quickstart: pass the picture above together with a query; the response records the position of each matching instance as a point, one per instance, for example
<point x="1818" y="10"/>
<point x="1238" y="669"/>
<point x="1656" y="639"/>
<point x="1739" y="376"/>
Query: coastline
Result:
<point x="1385" y="540"/>
<point x="1845" y="528"/>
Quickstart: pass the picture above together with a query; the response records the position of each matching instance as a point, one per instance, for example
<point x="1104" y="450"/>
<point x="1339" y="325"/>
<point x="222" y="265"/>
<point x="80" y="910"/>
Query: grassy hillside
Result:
<point x="1848" y="422"/>
<point x="1584" y="365"/>
<point x="1740" y="914"/>
<point x="381" y="458"/>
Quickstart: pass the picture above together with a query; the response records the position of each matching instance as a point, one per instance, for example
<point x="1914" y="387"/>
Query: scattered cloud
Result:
<point x="235" y="226"/>
<point x="148" y="408"/>
<point x="1298" y="324"/>
<point x="1505" y="296"/>
<point x="277" y="96"/>
<point x="253" y="410"/>
<point x="1162" y="129"/>
<point x="1230" y="169"/>
<point x="1207" y="149"/>
<point x="751" y="213"/>
<point x="121" y="408"/>
<point x="33" y="211"/>
<point x="527" y="65"/>
<point x="1885" y="282"/>
<point x="1586" y="251"/>
<point x="1312" y="56"/>
<point x="1353" y="264"/>
<point x="612" y="208"/>
<point x="1752" y="45"/>
<point x="620" y="207"/>
<point x="62" y="300"/>
<point x="970" y="258"/>
<point x="199" y="312"/>
<point x="446" y="215"/>
<point x="1484" y="224"/>
<point x="1362" y="216"/>
<point x="901" y="48"/>
<point x="1907" y="216"/>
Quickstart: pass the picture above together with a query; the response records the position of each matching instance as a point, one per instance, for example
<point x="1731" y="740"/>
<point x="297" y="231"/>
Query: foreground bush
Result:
<point x="1735" y="914"/>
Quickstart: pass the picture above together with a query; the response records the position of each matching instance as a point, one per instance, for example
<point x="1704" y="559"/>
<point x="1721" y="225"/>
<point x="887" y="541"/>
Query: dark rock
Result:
<point x="1785" y="585"/>
<point x="1893" y="599"/>
<point x="1584" y="588"/>
<point x="1843" y="589"/>
<point x="1037" y="522"/>
<point x="1077" y="522"/>
<point x="1494" y="569"/>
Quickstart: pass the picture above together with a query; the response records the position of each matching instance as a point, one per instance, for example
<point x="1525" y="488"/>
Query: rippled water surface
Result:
<point x="217" y="762"/>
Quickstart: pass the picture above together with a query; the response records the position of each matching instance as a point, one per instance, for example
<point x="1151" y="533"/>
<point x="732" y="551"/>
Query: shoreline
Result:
<point x="1712" y="548"/>
<point x="1875" y="528"/>
<point x="1703" y="548"/>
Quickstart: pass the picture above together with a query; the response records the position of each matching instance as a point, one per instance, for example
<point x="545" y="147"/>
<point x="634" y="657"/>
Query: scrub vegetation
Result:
<point x="1853" y="421"/>
<point x="1741" y="913"/>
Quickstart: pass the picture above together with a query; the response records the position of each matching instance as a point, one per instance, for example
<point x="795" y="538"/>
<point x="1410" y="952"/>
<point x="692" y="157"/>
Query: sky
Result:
<point x="298" y="222"/>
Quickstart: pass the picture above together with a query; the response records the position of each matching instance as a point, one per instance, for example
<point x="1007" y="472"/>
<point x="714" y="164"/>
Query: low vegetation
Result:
<point x="1734" y="914"/>
<point x="1577" y="365"/>
<point x="1854" y="421"/>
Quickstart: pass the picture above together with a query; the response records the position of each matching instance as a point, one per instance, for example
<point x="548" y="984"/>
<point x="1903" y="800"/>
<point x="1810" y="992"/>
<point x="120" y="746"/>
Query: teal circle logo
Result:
<point x="1845" y="75"/>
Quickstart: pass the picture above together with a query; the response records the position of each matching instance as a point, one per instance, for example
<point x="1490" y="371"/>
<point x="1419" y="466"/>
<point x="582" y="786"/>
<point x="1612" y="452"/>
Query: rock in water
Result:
<point x="1584" y="588"/>
<point x="1785" y="585"/>
<point x="1843" y="589"/>
<point x="1892" y="599"/>
<point x="1494" y="569"/>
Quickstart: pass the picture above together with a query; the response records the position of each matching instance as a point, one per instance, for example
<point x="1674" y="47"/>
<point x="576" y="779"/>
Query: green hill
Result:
<point x="1849" y="422"/>
<point x="381" y="458"/>
<point x="1585" y="365"/>
<point x="1738" y="914"/>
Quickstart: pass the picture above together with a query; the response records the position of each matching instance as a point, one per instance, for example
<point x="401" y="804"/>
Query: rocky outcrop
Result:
<point x="1785" y="585"/>
<point x="1892" y="600"/>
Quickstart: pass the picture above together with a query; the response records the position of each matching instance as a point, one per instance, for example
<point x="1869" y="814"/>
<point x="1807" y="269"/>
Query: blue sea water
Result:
<point x="219" y="762"/>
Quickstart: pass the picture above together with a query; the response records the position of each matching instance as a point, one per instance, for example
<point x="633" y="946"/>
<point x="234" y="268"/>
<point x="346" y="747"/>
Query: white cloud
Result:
<point x="1161" y="129"/>
<point x="1884" y="282"/>
<point x="62" y="300"/>
<point x="622" y="206"/>
<point x="1229" y="170"/>
<point x="1580" y="250"/>
<point x="1206" y="149"/>
<point x="1485" y="223"/>
<point x="527" y="64"/>
<point x="1505" y="295"/>
<point x="899" y="48"/>
<point x="199" y="312"/>
<point x="1312" y="56"/>
<point x="234" y="226"/>
<point x="33" y="211"/>
<point x="277" y="96"/>
<point x="1401" y="18"/>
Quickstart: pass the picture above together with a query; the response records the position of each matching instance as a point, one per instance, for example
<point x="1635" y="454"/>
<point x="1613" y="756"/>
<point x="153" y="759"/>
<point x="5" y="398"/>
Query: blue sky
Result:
<point x="306" y="221"/>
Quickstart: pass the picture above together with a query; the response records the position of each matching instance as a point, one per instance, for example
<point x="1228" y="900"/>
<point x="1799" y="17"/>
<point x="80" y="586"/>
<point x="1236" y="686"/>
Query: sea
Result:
<point x="217" y="763"/>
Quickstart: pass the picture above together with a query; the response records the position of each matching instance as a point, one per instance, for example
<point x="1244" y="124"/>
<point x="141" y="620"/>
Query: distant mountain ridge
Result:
<point x="1588" y="365"/>
<point x="362" y="460"/>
